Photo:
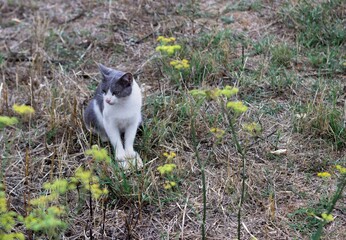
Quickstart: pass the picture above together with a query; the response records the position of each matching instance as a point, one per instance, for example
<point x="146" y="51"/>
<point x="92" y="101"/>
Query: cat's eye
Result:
<point x="104" y="91"/>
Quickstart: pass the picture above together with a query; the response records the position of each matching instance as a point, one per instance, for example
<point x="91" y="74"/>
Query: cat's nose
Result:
<point x="108" y="100"/>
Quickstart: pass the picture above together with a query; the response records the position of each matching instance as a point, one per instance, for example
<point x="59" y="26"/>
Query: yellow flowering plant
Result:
<point x="165" y="40"/>
<point x="99" y="154"/>
<point x="23" y="109"/>
<point x="180" y="64"/>
<point x="7" y="219"/>
<point x="176" y="67"/>
<point x="341" y="169"/>
<point x="46" y="220"/>
<point x="167" y="169"/>
<point x="216" y="93"/>
<point x="7" y="121"/>
<point x="222" y="96"/>
<point x="324" y="174"/>
<point x="46" y="215"/>
<point x="253" y="128"/>
<point x="89" y="182"/>
<point x="169" y="184"/>
<point x="217" y="132"/>
<point x="169" y="50"/>
<point x="327" y="217"/>
<point x="237" y="106"/>
<point x="169" y="155"/>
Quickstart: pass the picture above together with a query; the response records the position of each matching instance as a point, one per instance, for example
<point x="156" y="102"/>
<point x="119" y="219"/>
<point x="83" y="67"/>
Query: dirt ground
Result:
<point x="50" y="50"/>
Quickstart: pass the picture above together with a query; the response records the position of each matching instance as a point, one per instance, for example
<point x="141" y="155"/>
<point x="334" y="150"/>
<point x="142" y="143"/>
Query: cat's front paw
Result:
<point x="134" y="159"/>
<point x="120" y="156"/>
<point x="121" y="159"/>
<point x="130" y="154"/>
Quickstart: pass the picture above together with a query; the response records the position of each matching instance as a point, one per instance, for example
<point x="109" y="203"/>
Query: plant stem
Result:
<point x="242" y="153"/>
<point x="337" y="195"/>
<point x="201" y="166"/>
<point x="91" y="216"/>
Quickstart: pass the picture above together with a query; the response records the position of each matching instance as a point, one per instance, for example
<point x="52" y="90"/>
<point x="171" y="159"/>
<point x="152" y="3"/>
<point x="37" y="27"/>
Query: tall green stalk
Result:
<point x="201" y="166"/>
<point x="241" y="152"/>
<point x="337" y="195"/>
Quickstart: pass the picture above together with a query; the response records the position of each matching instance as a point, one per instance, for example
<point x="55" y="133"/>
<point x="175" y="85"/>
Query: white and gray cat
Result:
<point x="116" y="110"/>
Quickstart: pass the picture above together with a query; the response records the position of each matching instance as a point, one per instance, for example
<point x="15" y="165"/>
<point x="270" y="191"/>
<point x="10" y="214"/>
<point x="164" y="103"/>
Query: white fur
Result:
<point x="122" y="115"/>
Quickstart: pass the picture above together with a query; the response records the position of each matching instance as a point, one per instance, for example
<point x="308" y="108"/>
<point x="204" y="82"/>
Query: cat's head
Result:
<point x="115" y="84"/>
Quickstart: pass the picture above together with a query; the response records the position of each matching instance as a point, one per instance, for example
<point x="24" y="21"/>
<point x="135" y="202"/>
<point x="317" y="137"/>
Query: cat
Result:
<point x="116" y="110"/>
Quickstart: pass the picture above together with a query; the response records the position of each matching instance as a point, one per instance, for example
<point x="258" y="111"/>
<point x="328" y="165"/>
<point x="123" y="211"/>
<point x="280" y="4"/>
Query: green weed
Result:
<point x="317" y="23"/>
<point x="282" y="55"/>
<point x="322" y="121"/>
<point x="244" y="5"/>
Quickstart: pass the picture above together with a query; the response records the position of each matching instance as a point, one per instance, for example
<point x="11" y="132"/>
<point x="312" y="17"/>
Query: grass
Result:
<point x="287" y="62"/>
<point x="317" y="23"/>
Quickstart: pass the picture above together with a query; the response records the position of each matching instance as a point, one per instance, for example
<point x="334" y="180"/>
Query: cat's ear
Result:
<point x="105" y="71"/>
<point x="127" y="77"/>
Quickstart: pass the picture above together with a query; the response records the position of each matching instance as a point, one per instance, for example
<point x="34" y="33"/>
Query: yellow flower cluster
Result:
<point x="252" y="128"/>
<point x="169" y="184"/>
<point x="180" y="64"/>
<point x="164" y="48"/>
<point x="56" y="188"/>
<point x="89" y="182"/>
<point x="169" y="155"/>
<point x="7" y="121"/>
<point x="99" y="154"/>
<point x="12" y="236"/>
<point x="217" y="132"/>
<point x="341" y="169"/>
<point x="7" y="219"/>
<point x="229" y="91"/>
<point x="213" y="94"/>
<point x="3" y="204"/>
<point x="327" y="217"/>
<point x="165" y="40"/>
<point x="169" y="49"/>
<point x="23" y="109"/>
<point x="44" y="200"/>
<point x="324" y="174"/>
<point x="198" y="93"/>
<point x="59" y="186"/>
<point x="47" y="220"/>
<point x="167" y="168"/>
<point x="237" y="106"/>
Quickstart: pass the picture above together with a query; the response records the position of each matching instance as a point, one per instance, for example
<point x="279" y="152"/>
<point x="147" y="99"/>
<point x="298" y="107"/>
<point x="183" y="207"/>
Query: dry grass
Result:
<point x="50" y="50"/>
